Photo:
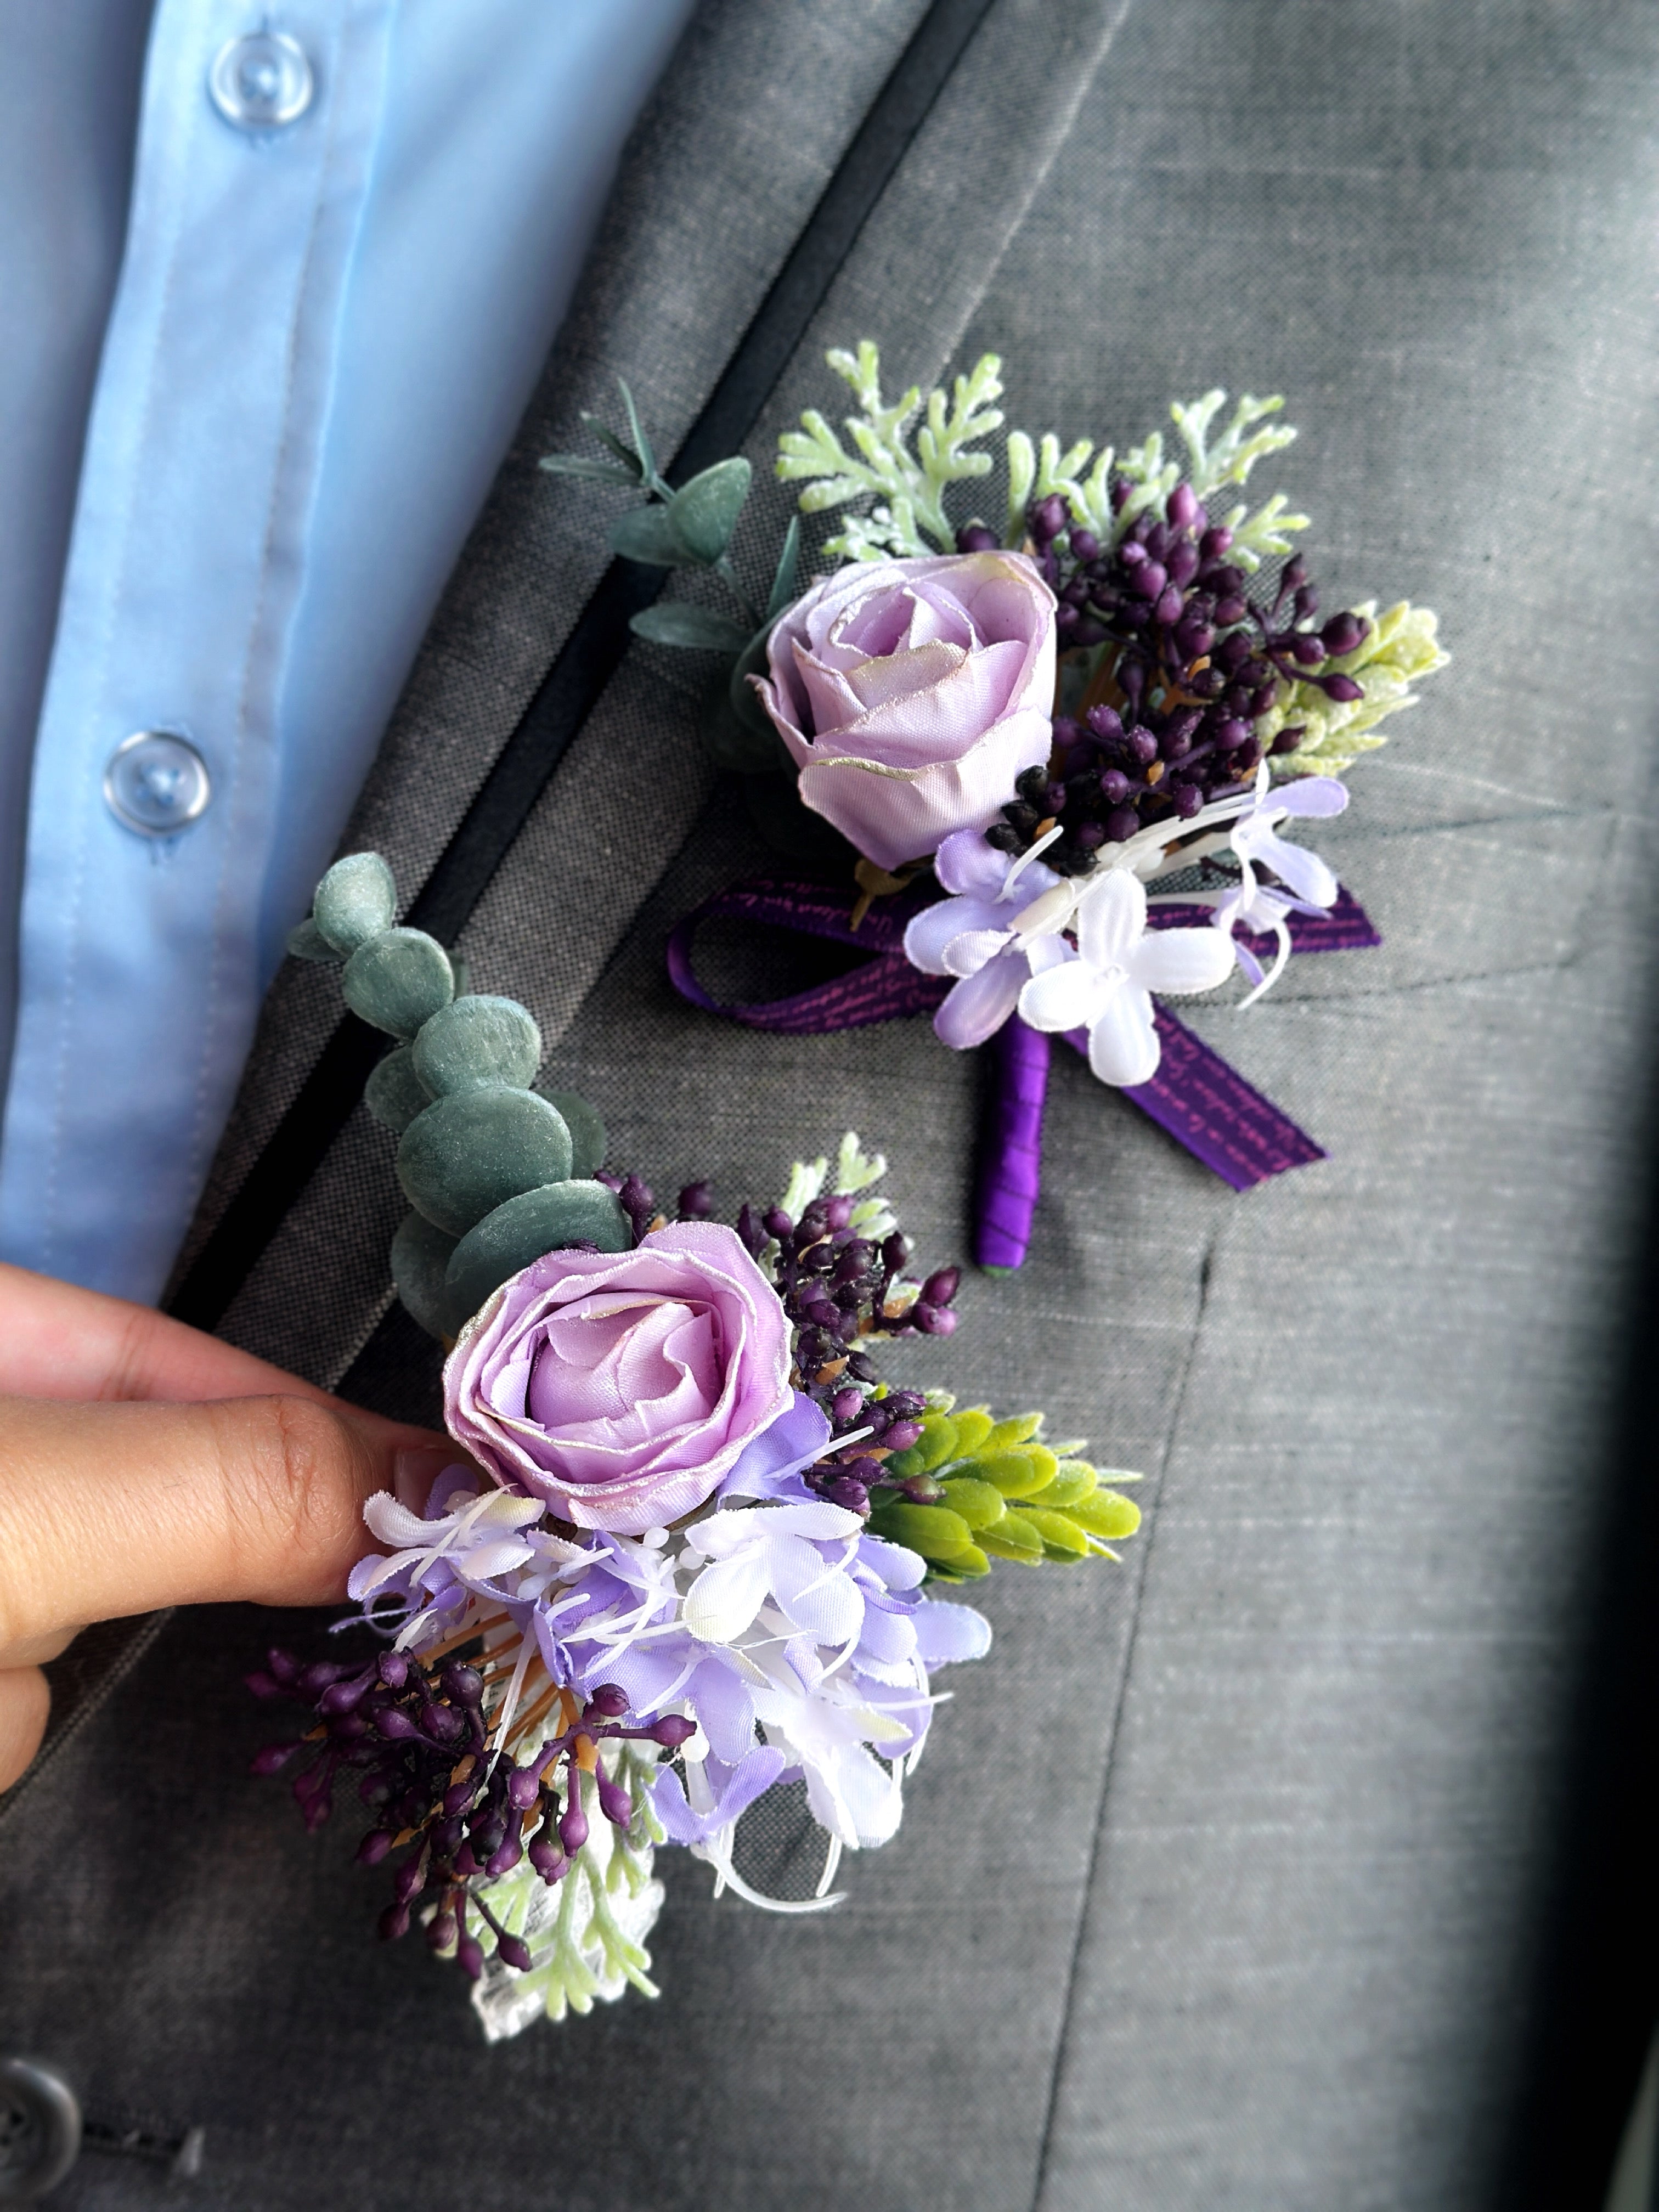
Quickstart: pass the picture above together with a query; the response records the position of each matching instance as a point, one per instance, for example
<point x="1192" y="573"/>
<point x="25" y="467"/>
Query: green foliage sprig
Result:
<point x="1001" y="1493"/>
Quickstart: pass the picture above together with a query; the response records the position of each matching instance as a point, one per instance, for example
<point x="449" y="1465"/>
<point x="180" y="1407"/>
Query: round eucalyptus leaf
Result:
<point x="399" y="980"/>
<point x="526" y="1227"/>
<point x="477" y="1039"/>
<point x="306" y="942"/>
<point x="420" y="1256"/>
<point x="470" y="1152"/>
<point x="703" y="513"/>
<point x="394" y="1093"/>
<point x="355" y="900"/>
<point x="588" y="1140"/>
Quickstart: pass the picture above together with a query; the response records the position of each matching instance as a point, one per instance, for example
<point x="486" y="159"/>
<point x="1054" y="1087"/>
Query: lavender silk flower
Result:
<point x="971" y="935"/>
<point x="910" y="694"/>
<point x="622" y="1387"/>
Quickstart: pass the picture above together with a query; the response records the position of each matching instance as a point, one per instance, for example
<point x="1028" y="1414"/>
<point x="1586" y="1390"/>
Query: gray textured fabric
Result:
<point x="1217" y="1887"/>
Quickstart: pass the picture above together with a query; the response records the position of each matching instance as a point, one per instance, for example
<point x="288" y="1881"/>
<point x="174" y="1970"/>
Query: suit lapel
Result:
<point x="697" y="234"/>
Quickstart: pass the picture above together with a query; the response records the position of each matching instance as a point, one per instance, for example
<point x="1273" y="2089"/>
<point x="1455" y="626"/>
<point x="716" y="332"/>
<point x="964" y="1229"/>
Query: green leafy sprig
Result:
<point x="1001" y="1493"/>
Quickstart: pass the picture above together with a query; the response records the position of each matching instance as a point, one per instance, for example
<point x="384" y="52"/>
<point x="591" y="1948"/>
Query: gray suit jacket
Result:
<point x="1227" y="1881"/>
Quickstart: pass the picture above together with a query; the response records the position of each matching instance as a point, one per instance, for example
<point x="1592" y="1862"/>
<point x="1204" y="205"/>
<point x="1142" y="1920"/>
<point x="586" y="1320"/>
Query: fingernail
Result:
<point x="415" y="1471"/>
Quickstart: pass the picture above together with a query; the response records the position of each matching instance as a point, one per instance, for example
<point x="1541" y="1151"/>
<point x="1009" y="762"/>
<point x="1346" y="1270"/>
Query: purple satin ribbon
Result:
<point x="1203" y="1102"/>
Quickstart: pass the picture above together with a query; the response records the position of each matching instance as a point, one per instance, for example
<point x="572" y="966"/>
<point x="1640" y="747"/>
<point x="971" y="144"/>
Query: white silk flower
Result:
<point x="1106" y="985"/>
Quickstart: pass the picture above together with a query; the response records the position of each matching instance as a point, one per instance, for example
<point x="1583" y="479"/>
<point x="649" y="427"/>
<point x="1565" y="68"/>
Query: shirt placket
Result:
<point x="155" y="771"/>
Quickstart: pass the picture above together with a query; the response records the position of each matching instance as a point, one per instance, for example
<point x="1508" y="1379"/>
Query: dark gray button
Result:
<point x="156" y="782"/>
<point x="261" y="82"/>
<point x="39" y="2130"/>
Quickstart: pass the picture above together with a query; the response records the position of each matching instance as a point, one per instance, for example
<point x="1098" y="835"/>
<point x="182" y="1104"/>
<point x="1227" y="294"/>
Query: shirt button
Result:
<point x="156" y="782"/>
<point x="39" y="2130"/>
<point x="261" y="82"/>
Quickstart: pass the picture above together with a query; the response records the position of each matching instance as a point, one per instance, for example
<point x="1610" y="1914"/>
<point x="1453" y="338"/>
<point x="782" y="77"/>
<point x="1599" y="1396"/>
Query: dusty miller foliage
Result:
<point x="897" y="496"/>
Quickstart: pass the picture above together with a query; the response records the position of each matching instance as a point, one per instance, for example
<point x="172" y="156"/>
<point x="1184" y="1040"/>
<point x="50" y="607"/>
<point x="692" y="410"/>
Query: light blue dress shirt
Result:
<point x="233" y="481"/>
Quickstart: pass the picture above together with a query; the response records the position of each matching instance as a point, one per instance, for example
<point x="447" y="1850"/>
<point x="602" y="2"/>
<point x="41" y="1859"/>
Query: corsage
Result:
<point x="693" y="1549"/>
<point x="1065" y="757"/>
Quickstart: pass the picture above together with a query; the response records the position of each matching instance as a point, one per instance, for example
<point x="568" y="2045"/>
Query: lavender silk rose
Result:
<point x="912" y="693"/>
<point x="622" y="1387"/>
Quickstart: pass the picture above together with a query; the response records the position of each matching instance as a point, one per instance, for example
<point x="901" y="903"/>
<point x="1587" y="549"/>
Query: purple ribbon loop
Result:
<point x="1203" y="1103"/>
<point x="880" y="990"/>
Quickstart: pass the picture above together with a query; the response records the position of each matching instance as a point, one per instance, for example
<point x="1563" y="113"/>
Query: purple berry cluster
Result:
<point x="1193" y="665"/>
<point x="416" y="1737"/>
<point x="837" y="1290"/>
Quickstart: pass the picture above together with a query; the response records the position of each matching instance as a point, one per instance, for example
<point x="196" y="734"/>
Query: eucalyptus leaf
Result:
<point x="731" y="744"/>
<point x="420" y="1257"/>
<point x="306" y="942"/>
<point x="648" y="459"/>
<point x="703" y="513"/>
<point x="744" y="701"/>
<point x="680" y="624"/>
<point x="783" y="582"/>
<point x="625" y="454"/>
<point x="735" y="728"/>
<point x="577" y="465"/>
<point x="643" y="534"/>
<point x="355" y="902"/>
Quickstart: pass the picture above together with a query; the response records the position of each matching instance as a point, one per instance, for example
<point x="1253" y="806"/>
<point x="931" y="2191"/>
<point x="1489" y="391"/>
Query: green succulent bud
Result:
<point x="980" y="1504"/>
<point x="1018" y="1500"/>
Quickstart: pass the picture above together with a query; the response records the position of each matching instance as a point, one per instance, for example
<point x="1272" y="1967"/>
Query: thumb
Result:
<point x="107" y="1509"/>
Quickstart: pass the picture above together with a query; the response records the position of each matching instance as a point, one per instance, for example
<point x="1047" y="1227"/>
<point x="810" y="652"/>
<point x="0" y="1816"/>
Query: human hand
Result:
<point x="144" y="1464"/>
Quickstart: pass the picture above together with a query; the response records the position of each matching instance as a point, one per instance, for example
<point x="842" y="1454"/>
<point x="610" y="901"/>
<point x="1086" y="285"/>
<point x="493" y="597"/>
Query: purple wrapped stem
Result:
<point x="1203" y="1103"/>
<point x="1011" y="1167"/>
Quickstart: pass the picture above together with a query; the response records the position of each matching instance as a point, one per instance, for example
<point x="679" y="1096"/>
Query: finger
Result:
<point x="36" y="1651"/>
<point x="63" y="1342"/>
<point x="25" y="1702"/>
<point x="114" y="1509"/>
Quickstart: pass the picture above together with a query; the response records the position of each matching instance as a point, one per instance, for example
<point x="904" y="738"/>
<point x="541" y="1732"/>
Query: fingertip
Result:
<point x="25" y="1706"/>
<point x="417" y="1468"/>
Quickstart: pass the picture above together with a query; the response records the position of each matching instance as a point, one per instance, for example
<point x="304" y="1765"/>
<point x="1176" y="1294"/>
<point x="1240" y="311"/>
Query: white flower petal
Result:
<point x="1068" y="997"/>
<point x="1306" y="874"/>
<point x="1312" y="795"/>
<point x="1179" y="960"/>
<point x="966" y="953"/>
<point x="1044" y="952"/>
<point x="1123" y="1046"/>
<point x="1111" y="918"/>
<point x="726" y="1597"/>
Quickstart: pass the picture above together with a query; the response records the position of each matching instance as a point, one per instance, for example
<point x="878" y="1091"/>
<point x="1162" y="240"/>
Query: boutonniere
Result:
<point x="694" y="1547"/>
<point x="1066" y="755"/>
